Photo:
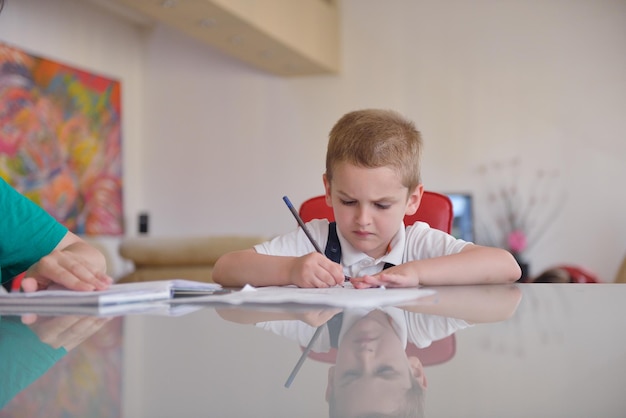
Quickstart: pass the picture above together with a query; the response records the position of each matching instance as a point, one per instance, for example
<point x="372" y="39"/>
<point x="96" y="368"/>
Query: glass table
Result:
<point x="549" y="350"/>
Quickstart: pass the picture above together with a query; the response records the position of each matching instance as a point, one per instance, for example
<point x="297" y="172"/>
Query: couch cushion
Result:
<point x="185" y="251"/>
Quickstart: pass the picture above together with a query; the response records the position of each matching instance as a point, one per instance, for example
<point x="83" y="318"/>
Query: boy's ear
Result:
<point x="327" y="190"/>
<point x="415" y="198"/>
<point x="417" y="369"/>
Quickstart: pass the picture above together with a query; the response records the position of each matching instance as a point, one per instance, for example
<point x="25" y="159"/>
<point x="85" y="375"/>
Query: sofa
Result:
<point x="190" y="258"/>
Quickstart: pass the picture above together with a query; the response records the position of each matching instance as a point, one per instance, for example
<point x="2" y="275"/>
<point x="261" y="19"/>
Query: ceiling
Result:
<point x="282" y="37"/>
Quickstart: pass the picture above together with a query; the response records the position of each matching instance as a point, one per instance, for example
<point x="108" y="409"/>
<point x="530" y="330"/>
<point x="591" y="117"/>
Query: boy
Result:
<point x="372" y="181"/>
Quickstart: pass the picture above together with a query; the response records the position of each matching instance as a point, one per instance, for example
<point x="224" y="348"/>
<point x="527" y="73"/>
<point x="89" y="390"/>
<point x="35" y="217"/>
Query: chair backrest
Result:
<point x="565" y="273"/>
<point x="580" y="275"/>
<point x="435" y="209"/>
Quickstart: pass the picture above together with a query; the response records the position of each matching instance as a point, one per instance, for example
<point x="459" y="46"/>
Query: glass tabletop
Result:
<point x="556" y="350"/>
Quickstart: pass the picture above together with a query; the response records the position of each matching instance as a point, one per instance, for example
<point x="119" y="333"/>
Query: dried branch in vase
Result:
<point x="521" y="207"/>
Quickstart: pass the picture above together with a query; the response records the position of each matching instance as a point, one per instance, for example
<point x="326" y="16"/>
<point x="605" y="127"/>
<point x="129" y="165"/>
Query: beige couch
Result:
<point x="190" y="258"/>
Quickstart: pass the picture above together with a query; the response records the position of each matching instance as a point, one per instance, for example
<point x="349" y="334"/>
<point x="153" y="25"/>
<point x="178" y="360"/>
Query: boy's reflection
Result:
<point x="373" y="373"/>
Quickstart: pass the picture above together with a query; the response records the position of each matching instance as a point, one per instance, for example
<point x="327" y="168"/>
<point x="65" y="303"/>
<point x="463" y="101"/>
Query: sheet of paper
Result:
<point x="335" y="296"/>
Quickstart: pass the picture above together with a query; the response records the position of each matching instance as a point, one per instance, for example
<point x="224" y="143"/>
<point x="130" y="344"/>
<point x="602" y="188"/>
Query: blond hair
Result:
<point x="373" y="138"/>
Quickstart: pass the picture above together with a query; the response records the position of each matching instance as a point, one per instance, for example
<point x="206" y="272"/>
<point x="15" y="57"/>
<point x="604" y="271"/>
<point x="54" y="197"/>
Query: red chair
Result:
<point x="434" y="209"/>
<point x="579" y="274"/>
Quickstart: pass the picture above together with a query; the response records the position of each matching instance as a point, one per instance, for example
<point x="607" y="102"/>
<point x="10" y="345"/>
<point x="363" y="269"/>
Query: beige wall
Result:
<point x="211" y="145"/>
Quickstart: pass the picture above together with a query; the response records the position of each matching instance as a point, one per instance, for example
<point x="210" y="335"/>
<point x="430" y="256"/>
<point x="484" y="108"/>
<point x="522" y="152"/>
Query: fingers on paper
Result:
<point x="67" y="269"/>
<point x="382" y="279"/>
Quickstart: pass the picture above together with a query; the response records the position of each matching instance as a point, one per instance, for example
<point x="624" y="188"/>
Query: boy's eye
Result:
<point x="377" y="205"/>
<point x="387" y="372"/>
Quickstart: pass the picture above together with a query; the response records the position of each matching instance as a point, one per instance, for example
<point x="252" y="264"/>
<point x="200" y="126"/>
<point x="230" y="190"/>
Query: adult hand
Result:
<point x="67" y="331"/>
<point x="66" y="268"/>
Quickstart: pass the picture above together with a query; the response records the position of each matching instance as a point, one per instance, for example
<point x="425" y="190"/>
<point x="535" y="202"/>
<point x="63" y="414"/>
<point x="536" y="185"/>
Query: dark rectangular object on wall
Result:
<point x="143" y="223"/>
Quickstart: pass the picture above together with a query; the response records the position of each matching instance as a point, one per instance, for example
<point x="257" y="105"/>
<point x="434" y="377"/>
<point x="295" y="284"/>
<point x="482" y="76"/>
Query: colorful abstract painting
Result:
<point x="60" y="140"/>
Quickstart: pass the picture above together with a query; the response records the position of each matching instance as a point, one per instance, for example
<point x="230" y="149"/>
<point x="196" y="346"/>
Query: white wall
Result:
<point x="211" y="145"/>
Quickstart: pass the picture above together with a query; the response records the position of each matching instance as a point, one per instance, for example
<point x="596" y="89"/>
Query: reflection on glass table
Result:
<point x="30" y="346"/>
<point x="526" y="350"/>
<point x="374" y="354"/>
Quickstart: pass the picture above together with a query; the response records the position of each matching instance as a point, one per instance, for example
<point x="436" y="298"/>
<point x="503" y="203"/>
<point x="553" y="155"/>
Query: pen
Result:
<point x="301" y="223"/>
<point x="304" y="228"/>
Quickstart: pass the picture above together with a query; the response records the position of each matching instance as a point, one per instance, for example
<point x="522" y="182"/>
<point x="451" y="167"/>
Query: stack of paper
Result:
<point x="118" y="298"/>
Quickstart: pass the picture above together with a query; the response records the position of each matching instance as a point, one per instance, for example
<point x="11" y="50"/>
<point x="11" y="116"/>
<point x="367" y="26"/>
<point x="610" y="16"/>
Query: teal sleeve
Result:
<point x="27" y="232"/>
<point x="23" y="358"/>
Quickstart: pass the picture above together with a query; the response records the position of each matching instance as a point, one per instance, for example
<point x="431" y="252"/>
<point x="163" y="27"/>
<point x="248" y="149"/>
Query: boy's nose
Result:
<point x="365" y="355"/>
<point x="362" y="216"/>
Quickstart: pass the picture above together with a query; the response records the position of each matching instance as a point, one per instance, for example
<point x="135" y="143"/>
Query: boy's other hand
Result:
<point x="315" y="270"/>
<point x="392" y="277"/>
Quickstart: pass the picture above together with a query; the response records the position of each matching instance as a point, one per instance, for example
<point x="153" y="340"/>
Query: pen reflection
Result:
<point x="377" y="356"/>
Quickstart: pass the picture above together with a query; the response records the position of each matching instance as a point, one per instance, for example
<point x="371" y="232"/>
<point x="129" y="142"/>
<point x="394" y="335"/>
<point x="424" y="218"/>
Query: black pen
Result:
<point x="304" y="228"/>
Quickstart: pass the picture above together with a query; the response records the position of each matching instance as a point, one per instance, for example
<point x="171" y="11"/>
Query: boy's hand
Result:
<point x="315" y="270"/>
<point x="398" y="276"/>
<point x="67" y="269"/>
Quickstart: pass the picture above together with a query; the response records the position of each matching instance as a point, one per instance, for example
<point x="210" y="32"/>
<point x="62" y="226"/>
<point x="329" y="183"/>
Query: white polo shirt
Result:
<point x="418" y="328"/>
<point x="416" y="242"/>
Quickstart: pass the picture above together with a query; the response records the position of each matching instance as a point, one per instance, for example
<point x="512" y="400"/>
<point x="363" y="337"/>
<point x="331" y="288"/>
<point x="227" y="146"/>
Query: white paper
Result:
<point x="335" y="296"/>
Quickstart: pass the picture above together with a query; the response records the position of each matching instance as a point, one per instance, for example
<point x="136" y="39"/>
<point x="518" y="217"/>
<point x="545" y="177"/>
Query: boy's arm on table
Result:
<point x="238" y="268"/>
<point x="475" y="264"/>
